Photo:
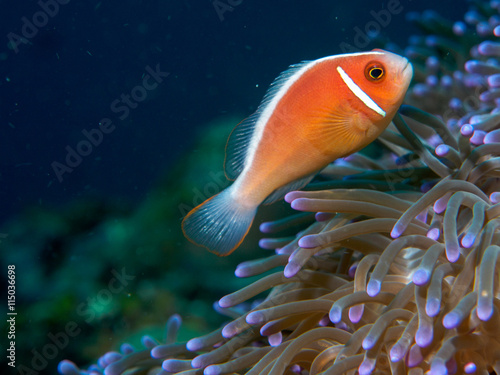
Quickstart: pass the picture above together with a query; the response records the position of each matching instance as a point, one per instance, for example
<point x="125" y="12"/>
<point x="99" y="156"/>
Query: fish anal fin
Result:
<point x="294" y="185"/>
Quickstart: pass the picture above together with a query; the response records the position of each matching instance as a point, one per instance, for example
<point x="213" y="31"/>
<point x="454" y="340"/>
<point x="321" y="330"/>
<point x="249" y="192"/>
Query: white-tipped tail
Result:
<point x="220" y="224"/>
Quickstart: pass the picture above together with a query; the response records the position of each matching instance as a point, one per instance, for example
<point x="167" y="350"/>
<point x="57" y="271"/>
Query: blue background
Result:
<point x="92" y="52"/>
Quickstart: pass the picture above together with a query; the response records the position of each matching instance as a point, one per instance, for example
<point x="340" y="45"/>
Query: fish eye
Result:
<point x="374" y="72"/>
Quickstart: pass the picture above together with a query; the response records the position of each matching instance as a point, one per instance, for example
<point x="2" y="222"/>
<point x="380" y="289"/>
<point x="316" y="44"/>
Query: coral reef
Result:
<point x="394" y="267"/>
<point x="69" y="254"/>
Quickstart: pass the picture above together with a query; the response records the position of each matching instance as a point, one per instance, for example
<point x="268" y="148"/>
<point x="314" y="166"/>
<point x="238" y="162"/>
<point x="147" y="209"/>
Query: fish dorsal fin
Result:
<point x="237" y="146"/>
<point x="244" y="136"/>
<point x="294" y="185"/>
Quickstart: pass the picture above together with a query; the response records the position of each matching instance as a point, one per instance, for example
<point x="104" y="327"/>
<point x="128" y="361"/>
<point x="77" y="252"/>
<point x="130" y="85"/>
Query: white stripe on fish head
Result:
<point x="360" y="94"/>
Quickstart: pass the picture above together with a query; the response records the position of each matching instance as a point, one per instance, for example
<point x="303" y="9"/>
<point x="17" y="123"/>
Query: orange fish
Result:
<point x="313" y="113"/>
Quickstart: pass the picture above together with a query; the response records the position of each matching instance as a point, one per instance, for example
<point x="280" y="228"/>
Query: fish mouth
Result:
<point x="407" y="69"/>
<point x="406" y="65"/>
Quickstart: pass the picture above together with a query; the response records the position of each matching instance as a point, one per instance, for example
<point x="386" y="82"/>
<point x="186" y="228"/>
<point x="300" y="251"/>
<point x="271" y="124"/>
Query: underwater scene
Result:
<point x="250" y="187"/>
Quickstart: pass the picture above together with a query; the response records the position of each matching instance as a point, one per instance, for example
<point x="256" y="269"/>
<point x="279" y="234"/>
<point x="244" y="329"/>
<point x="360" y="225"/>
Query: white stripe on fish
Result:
<point x="360" y="94"/>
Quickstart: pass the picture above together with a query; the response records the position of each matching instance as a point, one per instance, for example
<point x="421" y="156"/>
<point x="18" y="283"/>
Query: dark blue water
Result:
<point x="61" y="78"/>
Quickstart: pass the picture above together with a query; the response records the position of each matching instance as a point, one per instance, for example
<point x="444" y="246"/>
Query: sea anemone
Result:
<point x="394" y="268"/>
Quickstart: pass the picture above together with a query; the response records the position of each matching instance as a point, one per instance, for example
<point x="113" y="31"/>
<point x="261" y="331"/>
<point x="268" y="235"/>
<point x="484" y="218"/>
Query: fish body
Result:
<point x="313" y="114"/>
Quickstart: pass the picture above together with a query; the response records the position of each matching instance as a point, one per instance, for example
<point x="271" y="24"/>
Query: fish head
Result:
<point x="374" y="84"/>
<point x="383" y="77"/>
<point x="362" y="93"/>
<point x="389" y="75"/>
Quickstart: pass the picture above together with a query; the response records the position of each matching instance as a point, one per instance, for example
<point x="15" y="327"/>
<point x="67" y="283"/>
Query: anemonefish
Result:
<point x="313" y="113"/>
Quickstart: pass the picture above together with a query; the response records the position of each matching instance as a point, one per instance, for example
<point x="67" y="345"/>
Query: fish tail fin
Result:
<point x="219" y="224"/>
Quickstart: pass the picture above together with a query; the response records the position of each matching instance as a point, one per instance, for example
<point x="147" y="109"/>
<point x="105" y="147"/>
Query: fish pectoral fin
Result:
<point x="294" y="185"/>
<point x="341" y="127"/>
